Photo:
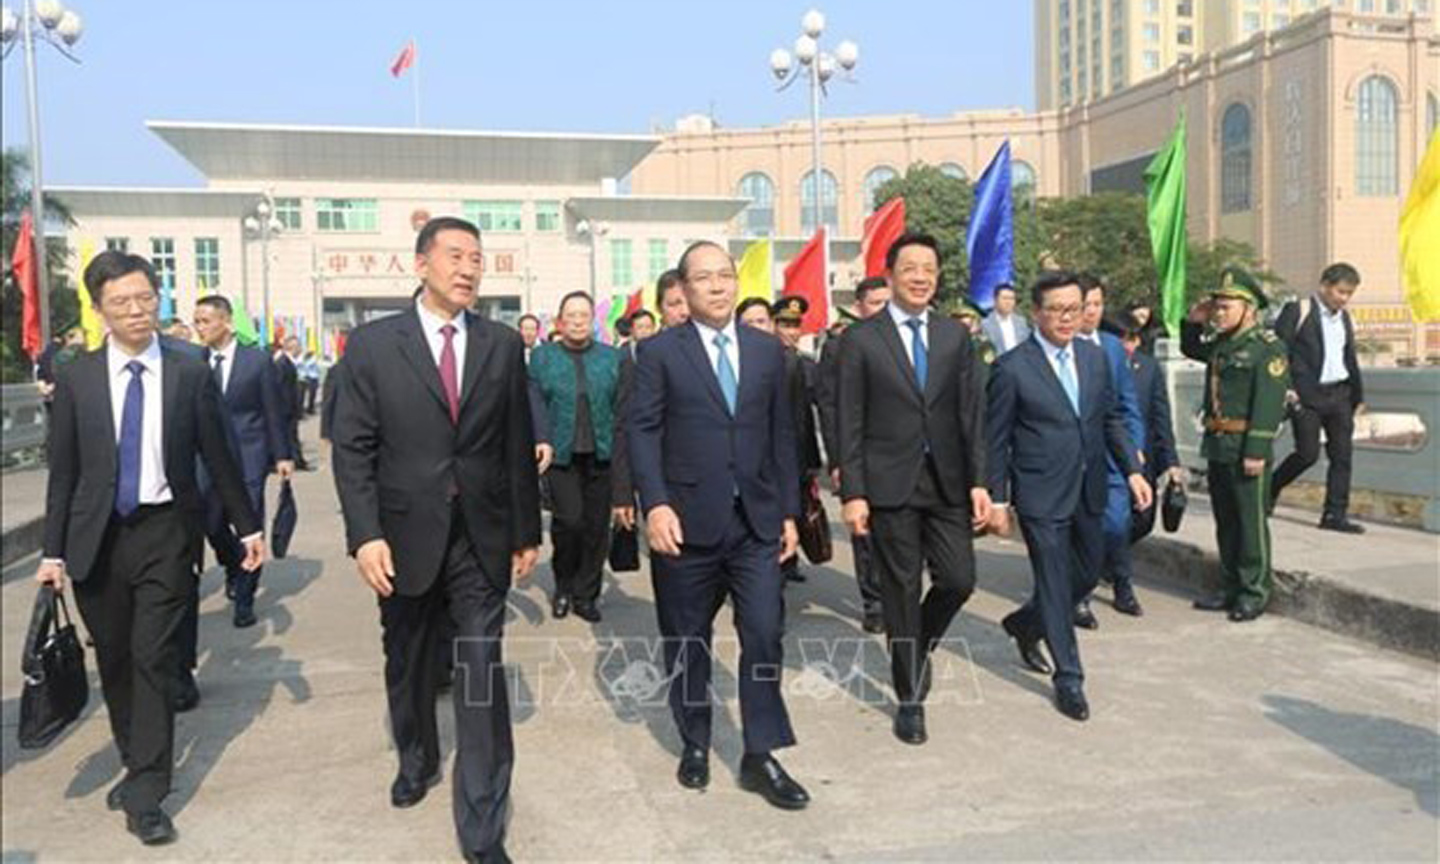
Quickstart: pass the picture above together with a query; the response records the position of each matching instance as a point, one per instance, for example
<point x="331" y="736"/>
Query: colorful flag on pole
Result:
<point x="244" y="325"/>
<point x="990" y="236"/>
<point x="882" y="228"/>
<point x="312" y="340"/>
<point x="755" y="270"/>
<point x="90" y="321"/>
<point x="806" y="276"/>
<point x="404" y="60"/>
<point x="1420" y="237"/>
<point x="22" y="263"/>
<point x="1165" y="214"/>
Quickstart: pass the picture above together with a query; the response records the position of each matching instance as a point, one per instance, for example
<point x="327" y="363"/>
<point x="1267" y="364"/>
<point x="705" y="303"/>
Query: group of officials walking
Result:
<point x="442" y="424"/>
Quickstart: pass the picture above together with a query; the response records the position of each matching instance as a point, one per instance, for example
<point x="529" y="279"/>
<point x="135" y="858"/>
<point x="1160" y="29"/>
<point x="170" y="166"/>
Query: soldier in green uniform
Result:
<point x="1246" y="376"/>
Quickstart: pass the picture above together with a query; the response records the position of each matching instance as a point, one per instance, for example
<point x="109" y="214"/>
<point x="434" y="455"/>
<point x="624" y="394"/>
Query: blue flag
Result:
<point x="990" y="237"/>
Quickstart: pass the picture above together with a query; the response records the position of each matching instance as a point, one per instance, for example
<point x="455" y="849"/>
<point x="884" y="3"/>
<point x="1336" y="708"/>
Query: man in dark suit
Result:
<point x="123" y="504"/>
<point x="1162" y="464"/>
<point x="292" y="395"/>
<point x="912" y="461"/>
<point x="435" y="466"/>
<point x="258" y="423"/>
<point x="1326" y="377"/>
<point x="1053" y="416"/>
<point x="788" y="315"/>
<point x="714" y="463"/>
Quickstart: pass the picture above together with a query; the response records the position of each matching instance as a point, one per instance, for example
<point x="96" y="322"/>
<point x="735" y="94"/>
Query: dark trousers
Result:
<point x="928" y="529"/>
<point x="1065" y="557"/>
<point x="1242" y="531"/>
<point x="309" y="387"/>
<point x="1333" y="412"/>
<point x="689" y="590"/>
<point x="866" y="574"/>
<point x="1117" y="524"/>
<point x="133" y="602"/>
<point x="485" y="750"/>
<point x="580" y="494"/>
<point x="229" y="553"/>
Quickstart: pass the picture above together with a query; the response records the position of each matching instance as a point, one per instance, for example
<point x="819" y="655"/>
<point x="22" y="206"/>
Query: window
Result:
<point x="1235" y="159"/>
<point x="1377" y="138"/>
<point x="207" y="263"/>
<point x="659" y="257"/>
<point x="1152" y="7"/>
<point x="1281" y="19"/>
<point x="1250" y="23"/>
<point x="1152" y="33"/>
<point x="622" y="275"/>
<point x="117" y="244"/>
<point x="287" y="211"/>
<point x="346" y="214"/>
<point x="496" y="216"/>
<point x="162" y="258"/>
<point x="1152" y="61"/>
<point x="758" y="220"/>
<point x="1185" y="9"/>
<point x="950" y="169"/>
<point x="1185" y="35"/>
<point x="547" y="215"/>
<point x="829" y="200"/>
<point x="1392" y="7"/>
<point x="873" y="181"/>
<point x="1022" y="179"/>
<point x="1366" y="5"/>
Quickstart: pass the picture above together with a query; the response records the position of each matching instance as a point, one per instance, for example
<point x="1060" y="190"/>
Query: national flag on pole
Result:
<point x="244" y="325"/>
<point x="90" y="322"/>
<point x="990" y="236"/>
<point x="1165" y="214"/>
<point x="754" y="271"/>
<point x="312" y="340"/>
<point x="22" y="263"/>
<point x="635" y="302"/>
<point x="882" y="228"/>
<point x="1420" y="237"/>
<point x="806" y="276"/>
<point x="404" y="60"/>
<point x="620" y="308"/>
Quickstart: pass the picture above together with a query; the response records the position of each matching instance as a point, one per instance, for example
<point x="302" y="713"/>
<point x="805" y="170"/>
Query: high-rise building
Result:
<point x="1087" y="49"/>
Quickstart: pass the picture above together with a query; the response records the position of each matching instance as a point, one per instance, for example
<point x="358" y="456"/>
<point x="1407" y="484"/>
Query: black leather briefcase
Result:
<point x="55" y="689"/>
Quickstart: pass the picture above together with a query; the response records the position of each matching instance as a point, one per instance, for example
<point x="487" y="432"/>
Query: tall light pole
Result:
<point x="61" y="27"/>
<point x="819" y="66"/>
<point x="263" y="223"/>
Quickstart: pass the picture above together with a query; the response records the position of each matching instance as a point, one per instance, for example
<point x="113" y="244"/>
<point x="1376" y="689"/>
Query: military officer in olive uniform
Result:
<point x="969" y="315"/>
<point x="1246" y="378"/>
<point x="801" y="374"/>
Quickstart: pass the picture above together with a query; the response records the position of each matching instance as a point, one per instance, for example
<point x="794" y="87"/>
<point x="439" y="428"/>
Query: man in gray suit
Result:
<point x="1005" y="327"/>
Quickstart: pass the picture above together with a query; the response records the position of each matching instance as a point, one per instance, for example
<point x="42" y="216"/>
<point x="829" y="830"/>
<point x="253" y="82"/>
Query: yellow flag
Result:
<point x="89" y="319"/>
<point x="1420" y="237"/>
<point x="754" y="271"/>
<point x="313" y="343"/>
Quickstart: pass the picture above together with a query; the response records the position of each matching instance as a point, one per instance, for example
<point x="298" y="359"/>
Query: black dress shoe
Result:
<point x="494" y="855"/>
<point x="694" y="770"/>
<point x="873" y="624"/>
<point x="115" y="798"/>
<point x="560" y="606"/>
<point x="1125" y="602"/>
<point x="1216" y="602"/>
<point x="762" y="775"/>
<point x="1341" y="524"/>
<point x="244" y="615"/>
<point x="1029" y="647"/>
<point x="910" y="724"/>
<point x="188" y="696"/>
<point x="230" y="580"/>
<point x="153" y="827"/>
<point x="1243" y="612"/>
<point x="1084" y="617"/>
<point x="1070" y="701"/>
<point x="588" y="610"/>
<point x="405" y="792"/>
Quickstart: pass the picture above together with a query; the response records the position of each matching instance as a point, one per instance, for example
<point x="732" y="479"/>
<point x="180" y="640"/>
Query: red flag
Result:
<point x="635" y="302"/>
<point x="404" y="60"/>
<point x="882" y="228"/>
<point x="22" y="263"/>
<point x="805" y="277"/>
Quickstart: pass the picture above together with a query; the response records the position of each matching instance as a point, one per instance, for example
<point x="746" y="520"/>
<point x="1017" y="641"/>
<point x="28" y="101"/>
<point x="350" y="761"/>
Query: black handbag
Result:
<point x="624" y="550"/>
<point x="282" y="528"/>
<point x="56" y="688"/>
<point x="1172" y="508"/>
<point x="815" y="526"/>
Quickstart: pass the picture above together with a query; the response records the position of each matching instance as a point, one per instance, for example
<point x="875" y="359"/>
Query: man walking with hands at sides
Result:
<point x="122" y="508"/>
<point x="1053" y="416"/>
<point x="714" y="462"/>
<point x="434" y="463"/>
<point x="913" y="465"/>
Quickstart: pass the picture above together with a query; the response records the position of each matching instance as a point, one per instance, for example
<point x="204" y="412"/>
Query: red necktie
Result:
<point x="448" y="378"/>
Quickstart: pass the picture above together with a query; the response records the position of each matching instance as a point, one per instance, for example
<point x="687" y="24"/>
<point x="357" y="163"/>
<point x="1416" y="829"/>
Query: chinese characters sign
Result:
<point x="361" y="263"/>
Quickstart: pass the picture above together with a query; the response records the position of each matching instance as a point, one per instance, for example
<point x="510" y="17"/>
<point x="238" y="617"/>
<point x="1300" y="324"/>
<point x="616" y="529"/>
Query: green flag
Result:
<point x="244" y="325"/>
<point x="1165" y="214"/>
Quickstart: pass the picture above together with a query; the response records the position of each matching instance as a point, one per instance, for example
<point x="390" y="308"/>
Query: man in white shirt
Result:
<point x="1005" y="327"/>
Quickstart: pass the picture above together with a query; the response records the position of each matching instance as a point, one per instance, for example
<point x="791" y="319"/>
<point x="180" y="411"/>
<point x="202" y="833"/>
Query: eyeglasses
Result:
<point x="1063" y="312"/>
<point x="144" y="302"/>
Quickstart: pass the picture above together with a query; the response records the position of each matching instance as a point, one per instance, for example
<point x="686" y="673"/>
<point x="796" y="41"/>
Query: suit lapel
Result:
<point x="1037" y="357"/>
<point x="410" y="339"/>
<point x="944" y="345"/>
<point x="97" y="370"/>
<point x="691" y="347"/>
<point x="890" y="335"/>
<point x="477" y="352"/>
<point x="169" y="400"/>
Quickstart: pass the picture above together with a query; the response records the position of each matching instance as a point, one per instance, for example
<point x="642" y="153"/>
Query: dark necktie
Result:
<point x="132" y="427"/>
<point x="918" y="354"/>
<point x="448" y="376"/>
<point x="219" y="372"/>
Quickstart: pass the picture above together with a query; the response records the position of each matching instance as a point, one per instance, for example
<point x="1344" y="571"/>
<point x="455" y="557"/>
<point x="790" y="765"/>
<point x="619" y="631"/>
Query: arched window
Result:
<point x="1022" y="179"/>
<point x="874" y="180"/>
<point x="829" y="200"/>
<point x="950" y="169"/>
<point x="1235" y="159"/>
<point x="758" y="220"/>
<point x="1432" y="114"/>
<point x="1377" y="138"/>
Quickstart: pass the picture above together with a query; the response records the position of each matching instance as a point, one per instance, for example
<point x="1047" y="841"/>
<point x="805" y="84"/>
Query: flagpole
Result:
<point x="415" y="79"/>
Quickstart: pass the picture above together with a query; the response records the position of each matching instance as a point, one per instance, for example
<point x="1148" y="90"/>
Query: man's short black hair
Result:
<point x="426" y="238"/>
<point x="641" y="313"/>
<point x="870" y="284"/>
<point x="528" y="316"/>
<point x="582" y="295"/>
<point x="1005" y="286"/>
<point x="1340" y="272"/>
<point x="749" y="302"/>
<point x="683" y="266"/>
<point x="1089" y="282"/>
<point x="622" y="328"/>
<point x="113" y="264"/>
<point x="218" y="303"/>
<point x="1052" y="280"/>
<point x="912" y="238"/>
<point x="669" y="279"/>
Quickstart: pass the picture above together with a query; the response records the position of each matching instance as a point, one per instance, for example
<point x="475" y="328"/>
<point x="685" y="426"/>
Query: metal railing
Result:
<point x="22" y="433"/>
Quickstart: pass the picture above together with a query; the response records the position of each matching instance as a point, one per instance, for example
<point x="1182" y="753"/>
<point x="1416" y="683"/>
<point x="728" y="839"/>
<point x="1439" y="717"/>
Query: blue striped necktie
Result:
<point x="729" y="387"/>
<point x="132" y="427"/>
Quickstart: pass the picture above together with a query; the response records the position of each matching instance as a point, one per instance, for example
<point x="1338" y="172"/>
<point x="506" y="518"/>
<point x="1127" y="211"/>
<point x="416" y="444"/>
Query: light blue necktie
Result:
<point x="729" y="387"/>
<point x="918" y="355"/>
<point x="1067" y="379"/>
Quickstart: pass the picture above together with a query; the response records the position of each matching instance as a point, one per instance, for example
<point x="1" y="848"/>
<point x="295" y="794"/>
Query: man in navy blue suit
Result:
<point x="713" y="458"/>
<point x="1053" y="415"/>
<point x="258" y="414"/>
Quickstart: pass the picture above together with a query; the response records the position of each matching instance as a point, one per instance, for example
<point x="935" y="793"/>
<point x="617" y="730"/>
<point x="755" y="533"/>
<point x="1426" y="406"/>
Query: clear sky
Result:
<point x="542" y="65"/>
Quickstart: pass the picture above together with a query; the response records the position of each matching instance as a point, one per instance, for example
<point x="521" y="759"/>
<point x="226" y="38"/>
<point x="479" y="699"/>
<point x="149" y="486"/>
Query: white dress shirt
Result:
<point x="1332" y="331"/>
<point x="732" y="347"/>
<point x="1007" y="331"/>
<point x="227" y="365"/>
<point x="431" y="324"/>
<point x="1052" y="354"/>
<point x="907" y="336"/>
<point x="154" y="486"/>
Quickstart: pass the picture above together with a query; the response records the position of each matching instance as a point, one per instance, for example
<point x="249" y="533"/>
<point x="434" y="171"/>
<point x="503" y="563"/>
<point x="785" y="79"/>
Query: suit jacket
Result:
<point x="287" y="378"/>
<point x="80" y="498"/>
<point x="1154" y="404"/>
<point x="827" y="398"/>
<point x="687" y="451"/>
<point x="990" y="326"/>
<point x="328" y="390"/>
<point x="1043" y="457"/>
<point x="1306" y="343"/>
<point x="399" y="460"/>
<point x="1125" y="392"/>
<point x="886" y="423"/>
<point x="258" y="413"/>
<point x="800" y="374"/>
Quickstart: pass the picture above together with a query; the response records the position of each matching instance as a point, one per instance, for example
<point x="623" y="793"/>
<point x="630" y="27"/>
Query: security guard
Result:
<point x="969" y="315"/>
<point x="1246" y="377"/>
<point x="801" y="374"/>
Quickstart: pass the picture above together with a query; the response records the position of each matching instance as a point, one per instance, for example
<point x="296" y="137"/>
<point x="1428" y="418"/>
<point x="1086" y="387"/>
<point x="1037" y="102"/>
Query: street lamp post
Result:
<point x="61" y="27"/>
<point x="819" y="66"/>
<point x="263" y="223"/>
